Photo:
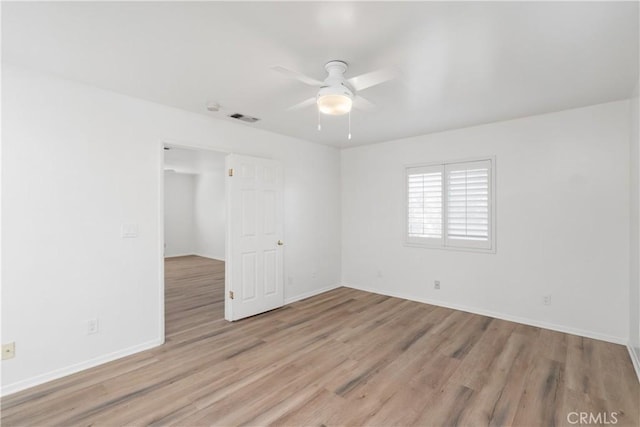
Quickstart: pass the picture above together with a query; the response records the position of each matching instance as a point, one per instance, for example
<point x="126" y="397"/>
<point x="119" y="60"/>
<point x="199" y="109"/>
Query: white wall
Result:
<point x="634" y="252"/>
<point x="195" y="222"/>
<point x="179" y="214"/>
<point x="77" y="163"/>
<point x="562" y="222"/>
<point x="210" y="215"/>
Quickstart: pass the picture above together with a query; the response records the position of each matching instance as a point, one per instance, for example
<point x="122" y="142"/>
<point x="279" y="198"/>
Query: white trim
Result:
<point x="217" y="258"/>
<point x="180" y="255"/>
<point x="312" y="293"/>
<point x="72" y="369"/>
<point x="174" y="143"/>
<point x="502" y="316"/>
<point x="635" y="359"/>
<point x="442" y="163"/>
<point x="228" y="307"/>
<point x="449" y="248"/>
<point x="161" y="247"/>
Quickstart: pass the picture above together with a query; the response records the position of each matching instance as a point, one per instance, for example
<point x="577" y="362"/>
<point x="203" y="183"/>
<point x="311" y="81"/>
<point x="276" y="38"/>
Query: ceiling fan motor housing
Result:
<point x="335" y="97"/>
<point x="339" y="89"/>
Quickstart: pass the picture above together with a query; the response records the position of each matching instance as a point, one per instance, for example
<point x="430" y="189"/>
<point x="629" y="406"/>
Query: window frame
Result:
<point x="444" y="242"/>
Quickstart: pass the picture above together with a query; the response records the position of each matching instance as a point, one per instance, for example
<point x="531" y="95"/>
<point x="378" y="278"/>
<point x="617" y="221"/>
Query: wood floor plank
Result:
<point x="344" y="357"/>
<point x="543" y="388"/>
<point x="501" y="385"/>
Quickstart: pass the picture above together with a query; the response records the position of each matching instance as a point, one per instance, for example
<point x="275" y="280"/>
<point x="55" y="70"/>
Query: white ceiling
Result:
<point x="460" y="63"/>
<point x="182" y="160"/>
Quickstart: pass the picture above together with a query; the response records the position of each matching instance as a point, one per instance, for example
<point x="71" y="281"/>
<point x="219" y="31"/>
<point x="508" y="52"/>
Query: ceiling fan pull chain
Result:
<point x="349" y="124"/>
<point x="319" y="127"/>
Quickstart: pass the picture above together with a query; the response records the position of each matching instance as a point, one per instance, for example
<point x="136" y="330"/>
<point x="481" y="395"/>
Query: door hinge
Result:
<point x="231" y="294"/>
<point x="231" y="172"/>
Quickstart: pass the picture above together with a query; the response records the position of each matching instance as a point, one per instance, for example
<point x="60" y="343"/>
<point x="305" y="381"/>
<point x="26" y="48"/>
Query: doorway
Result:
<point x="194" y="237"/>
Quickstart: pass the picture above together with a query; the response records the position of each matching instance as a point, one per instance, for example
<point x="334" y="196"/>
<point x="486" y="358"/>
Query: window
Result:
<point x="450" y="205"/>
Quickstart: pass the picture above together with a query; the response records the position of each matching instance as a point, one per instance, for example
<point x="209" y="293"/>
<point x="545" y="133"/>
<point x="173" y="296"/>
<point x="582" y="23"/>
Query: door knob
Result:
<point x="280" y="243"/>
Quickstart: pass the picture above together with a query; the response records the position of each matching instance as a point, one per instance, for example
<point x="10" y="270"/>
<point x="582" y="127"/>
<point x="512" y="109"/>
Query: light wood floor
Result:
<point x="345" y="357"/>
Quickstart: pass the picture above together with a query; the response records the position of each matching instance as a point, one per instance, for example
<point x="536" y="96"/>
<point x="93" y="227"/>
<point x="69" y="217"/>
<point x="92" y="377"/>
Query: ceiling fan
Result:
<point x="337" y="94"/>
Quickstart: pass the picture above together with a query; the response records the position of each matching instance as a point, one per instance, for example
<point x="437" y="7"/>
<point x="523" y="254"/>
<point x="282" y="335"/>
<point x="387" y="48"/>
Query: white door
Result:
<point x="254" y="271"/>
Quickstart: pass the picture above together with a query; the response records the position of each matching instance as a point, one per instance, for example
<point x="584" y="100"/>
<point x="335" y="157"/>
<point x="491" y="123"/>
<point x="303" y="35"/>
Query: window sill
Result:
<point x="450" y="248"/>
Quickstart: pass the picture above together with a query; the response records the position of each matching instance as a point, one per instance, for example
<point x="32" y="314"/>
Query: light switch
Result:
<point x="129" y="231"/>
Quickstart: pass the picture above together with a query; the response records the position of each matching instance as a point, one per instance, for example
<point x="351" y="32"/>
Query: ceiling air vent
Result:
<point x="244" y="118"/>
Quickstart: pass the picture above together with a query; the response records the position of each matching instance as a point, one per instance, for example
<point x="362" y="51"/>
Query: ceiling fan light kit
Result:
<point x="334" y="104"/>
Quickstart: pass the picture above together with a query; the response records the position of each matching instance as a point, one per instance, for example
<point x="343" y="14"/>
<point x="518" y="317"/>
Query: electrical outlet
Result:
<point x="290" y="281"/>
<point x="379" y="274"/>
<point x="314" y="274"/>
<point x="436" y="284"/>
<point x="546" y="300"/>
<point x="92" y="327"/>
<point x="8" y="351"/>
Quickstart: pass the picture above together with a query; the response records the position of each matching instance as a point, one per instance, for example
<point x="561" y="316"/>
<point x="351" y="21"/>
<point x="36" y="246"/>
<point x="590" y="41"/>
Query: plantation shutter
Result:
<point x="425" y="204"/>
<point x="468" y="204"/>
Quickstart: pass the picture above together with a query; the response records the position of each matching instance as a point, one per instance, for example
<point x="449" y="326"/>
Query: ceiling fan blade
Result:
<point x="367" y="80"/>
<point x="363" y="104"/>
<point x="303" y="104"/>
<point x="298" y="76"/>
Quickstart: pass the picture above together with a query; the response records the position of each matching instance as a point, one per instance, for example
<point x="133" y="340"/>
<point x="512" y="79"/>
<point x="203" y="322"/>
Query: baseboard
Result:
<point x="179" y="255"/>
<point x="310" y="294"/>
<point x="63" y="372"/>
<point x="635" y="359"/>
<point x="498" y="315"/>
<point x="217" y="257"/>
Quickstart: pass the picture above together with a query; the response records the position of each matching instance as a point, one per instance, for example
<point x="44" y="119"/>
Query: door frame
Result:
<point x="186" y="146"/>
